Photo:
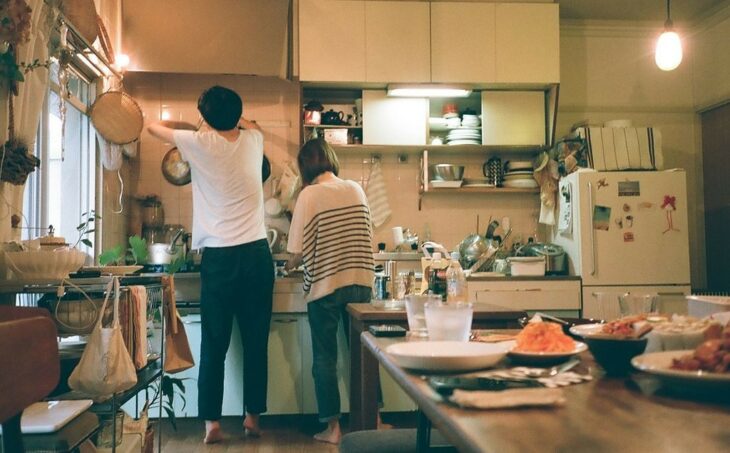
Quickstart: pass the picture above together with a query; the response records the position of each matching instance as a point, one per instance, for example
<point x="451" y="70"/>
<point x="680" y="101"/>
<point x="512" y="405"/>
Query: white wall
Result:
<point x="608" y="72"/>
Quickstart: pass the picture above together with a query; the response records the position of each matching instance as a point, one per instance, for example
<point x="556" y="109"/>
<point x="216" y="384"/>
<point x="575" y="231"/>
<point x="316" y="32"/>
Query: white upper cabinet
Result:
<point x="527" y="43"/>
<point x="392" y="120"/>
<point x="463" y="42"/>
<point x="397" y="36"/>
<point x="332" y="41"/>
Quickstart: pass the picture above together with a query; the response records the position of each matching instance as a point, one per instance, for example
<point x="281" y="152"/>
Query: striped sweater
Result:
<point x="331" y="228"/>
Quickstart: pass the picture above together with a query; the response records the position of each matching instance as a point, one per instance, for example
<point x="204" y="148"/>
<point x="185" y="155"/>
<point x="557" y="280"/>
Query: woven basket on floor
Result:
<point x="117" y="117"/>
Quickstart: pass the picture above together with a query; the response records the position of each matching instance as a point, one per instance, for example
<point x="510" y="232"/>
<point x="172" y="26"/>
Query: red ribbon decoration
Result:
<point x="670" y="201"/>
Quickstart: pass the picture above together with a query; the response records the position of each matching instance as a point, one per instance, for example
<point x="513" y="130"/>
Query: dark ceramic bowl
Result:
<point x="614" y="355"/>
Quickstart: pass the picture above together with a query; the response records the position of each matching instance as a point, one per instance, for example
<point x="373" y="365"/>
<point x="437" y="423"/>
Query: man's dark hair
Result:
<point x="221" y="107"/>
<point x="315" y="158"/>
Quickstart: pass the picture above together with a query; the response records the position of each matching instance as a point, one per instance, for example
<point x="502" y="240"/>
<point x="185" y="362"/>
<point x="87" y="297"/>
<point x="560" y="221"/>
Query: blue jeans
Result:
<point x="324" y="319"/>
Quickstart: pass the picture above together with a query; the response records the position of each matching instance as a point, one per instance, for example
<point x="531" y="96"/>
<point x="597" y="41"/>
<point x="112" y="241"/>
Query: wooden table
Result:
<point x="605" y="415"/>
<point x="364" y="372"/>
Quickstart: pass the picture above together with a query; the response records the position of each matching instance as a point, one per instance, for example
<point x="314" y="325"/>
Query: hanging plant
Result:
<point x="14" y="30"/>
<point x="17" y="162"/>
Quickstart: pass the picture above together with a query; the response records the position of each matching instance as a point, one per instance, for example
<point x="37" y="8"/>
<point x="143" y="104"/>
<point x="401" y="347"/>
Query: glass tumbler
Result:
<point x="415" y="309"/>
<point x="448" y="321"/>
<point x="637" y="304"/>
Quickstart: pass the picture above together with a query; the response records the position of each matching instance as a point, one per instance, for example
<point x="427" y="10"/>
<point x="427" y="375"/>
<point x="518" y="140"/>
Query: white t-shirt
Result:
<point x="228" y="197"/>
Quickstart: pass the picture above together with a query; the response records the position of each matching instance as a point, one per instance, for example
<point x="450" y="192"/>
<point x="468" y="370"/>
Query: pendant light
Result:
<point x="668" y="53"/>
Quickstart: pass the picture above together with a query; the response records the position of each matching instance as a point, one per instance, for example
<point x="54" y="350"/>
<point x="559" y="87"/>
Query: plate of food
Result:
<point x="705" y="367"/>
<point x="542" y="343"/>
<point x="447" y="355"/>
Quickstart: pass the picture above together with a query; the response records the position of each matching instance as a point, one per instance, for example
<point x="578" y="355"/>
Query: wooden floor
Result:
<point x="280" y="434"/>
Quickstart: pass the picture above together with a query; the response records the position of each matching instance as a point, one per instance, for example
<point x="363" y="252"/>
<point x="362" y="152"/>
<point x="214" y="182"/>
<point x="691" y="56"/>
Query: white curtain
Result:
<point x="27" y="106"/>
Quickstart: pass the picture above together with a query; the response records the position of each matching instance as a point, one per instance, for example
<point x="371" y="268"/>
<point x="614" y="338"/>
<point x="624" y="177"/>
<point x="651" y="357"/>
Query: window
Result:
<point x="64" y="186"/>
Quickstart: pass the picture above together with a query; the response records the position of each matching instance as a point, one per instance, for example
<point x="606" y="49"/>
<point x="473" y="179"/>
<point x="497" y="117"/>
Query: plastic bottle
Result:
<point x="456" y="289"/>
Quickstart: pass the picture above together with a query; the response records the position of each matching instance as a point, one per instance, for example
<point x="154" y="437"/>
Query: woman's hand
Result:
<point x="243" y="123"/>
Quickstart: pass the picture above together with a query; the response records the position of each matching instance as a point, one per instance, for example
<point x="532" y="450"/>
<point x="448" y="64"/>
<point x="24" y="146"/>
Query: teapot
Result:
<point x="333" y="118"/>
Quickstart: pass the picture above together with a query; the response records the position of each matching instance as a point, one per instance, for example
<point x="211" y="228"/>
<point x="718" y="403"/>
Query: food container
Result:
<point x="527" y="265"/>
<point x="556" y="262"/>
<point x="335" y="136"/>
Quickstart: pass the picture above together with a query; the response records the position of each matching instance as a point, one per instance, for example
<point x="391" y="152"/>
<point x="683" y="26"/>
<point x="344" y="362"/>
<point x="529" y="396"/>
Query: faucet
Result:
<point x="172" y="248"/>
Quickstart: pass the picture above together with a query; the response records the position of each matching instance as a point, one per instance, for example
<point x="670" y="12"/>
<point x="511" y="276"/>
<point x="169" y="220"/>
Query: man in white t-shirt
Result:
<point x="236" y="273"/>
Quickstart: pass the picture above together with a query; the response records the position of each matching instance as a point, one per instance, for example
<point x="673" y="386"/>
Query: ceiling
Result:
<point x="639" y="10"/>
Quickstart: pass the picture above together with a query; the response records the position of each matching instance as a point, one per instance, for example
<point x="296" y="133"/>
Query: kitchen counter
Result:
<point x="522" y="278"/>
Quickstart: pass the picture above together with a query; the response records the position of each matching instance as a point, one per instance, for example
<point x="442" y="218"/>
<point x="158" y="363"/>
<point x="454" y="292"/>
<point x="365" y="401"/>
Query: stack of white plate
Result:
<point x="437" y="124"/>
<point x="464" y="136"/>
<point x="470" y="121"/>
<point x="519" y="174"/>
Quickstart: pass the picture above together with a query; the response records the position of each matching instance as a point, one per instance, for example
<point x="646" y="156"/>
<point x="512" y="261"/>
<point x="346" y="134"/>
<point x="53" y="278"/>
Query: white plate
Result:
<point x="446" y="184"/>
<point x="447" y="355"/>
<point x="584" y="330"/>
<point x="464" y="142"/>
<point x="114" y="270"/>
<point x="659" y="364"/>
<point x="545" y="357"/>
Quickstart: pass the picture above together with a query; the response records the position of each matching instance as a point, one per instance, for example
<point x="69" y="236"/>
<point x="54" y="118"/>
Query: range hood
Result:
<point x="190" y="36"/>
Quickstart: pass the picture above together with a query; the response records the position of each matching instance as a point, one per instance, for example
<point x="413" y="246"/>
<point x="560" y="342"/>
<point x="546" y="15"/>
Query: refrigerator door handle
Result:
<point x="593" y="229"/>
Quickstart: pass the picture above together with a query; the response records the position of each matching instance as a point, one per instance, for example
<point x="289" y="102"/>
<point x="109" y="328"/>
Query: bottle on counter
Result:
<point x="456" y="287"/>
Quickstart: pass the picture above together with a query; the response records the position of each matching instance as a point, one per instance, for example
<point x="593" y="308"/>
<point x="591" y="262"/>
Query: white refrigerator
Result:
<point x="625" y="232"/>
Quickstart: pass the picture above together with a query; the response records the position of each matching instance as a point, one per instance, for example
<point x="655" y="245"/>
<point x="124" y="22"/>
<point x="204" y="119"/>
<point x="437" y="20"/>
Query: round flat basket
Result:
<point x="117" y="117"/>
<point x="82" y="15"/>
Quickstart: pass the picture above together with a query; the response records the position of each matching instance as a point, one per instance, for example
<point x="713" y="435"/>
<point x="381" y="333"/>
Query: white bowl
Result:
<point x="44" y="264"/>
<point x="447" y="355"/>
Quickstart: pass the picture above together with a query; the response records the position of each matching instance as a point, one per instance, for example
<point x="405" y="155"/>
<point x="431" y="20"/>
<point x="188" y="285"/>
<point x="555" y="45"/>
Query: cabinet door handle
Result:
<point x="284" y="321"/>
<point x="671" y="293"/>
<point x="593" y="229"/>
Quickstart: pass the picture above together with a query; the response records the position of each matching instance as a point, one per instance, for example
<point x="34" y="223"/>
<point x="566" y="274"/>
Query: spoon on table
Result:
<point x="547" y="372"/>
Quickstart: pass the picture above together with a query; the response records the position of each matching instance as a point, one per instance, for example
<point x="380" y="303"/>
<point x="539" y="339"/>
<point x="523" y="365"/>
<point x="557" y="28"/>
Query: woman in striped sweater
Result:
<point x="331" y="234"/>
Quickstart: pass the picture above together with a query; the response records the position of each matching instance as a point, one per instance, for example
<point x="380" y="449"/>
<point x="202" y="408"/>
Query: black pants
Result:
<point x="236" y="281"/>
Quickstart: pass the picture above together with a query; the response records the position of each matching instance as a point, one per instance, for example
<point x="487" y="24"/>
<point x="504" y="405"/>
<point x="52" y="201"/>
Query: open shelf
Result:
<point x="145" y="377"/>
<point x="492" y="190"/>
<point x="418" y="149"/>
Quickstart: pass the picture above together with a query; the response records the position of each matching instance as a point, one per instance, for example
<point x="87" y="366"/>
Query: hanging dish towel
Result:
<point x="139" y="325"/>
<point x="377" y="197"/>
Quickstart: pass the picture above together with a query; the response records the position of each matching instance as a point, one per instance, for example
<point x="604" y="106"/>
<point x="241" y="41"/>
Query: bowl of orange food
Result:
<point x="544" y="343"/>
<point x="615" y="343"/>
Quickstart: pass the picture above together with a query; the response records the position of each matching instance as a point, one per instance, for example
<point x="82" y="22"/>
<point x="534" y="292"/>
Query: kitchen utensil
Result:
<point x="175" y="170"/>
<point x="447" y="172"/>
<point x="117" y="117"/>
<point x="471" y="249"/>
<point x="491" y="228"/>
<point x="492" y="169"/>
<point x="549" y="372"/>
<point x="331" y="117"/>
<point x="271" y="236"/>
<point x="556" y="262"/>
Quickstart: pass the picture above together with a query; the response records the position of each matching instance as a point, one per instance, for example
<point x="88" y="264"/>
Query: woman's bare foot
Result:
<point x="251" y="425"/>
<point x="213" y="432"/>
<point x="332" y="434"/>
<point x="382" y="425"/>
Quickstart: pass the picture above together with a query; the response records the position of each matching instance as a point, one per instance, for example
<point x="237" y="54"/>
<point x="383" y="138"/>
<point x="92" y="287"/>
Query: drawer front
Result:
<point x="564" y="295"/>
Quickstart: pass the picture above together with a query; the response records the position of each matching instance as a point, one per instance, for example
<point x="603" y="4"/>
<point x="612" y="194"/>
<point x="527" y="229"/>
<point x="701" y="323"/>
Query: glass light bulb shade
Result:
<point x="668" y="53"/>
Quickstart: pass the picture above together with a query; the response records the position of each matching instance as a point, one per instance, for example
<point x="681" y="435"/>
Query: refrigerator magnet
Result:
<point x="619" y="222"/>
<point x="629" y="189"/>
<point x="602" y="183"/>
<point x="627" y="207"/>
<point x="628" y="236"/>
<point x="669" y="205"/>
<point x="601" y="217"/>
<point x="629" y="221"/>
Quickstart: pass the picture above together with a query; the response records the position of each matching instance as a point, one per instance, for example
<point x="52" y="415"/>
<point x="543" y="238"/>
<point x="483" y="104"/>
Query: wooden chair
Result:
<point x="29" y="357"/>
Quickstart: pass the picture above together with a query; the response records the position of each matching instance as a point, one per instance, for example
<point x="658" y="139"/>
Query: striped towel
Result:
<point x="623" y="148"/>
<point x="377" y="197"/>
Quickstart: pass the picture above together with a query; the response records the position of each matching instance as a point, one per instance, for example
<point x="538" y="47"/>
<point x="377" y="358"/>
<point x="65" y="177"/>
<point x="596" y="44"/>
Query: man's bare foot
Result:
<point x="213" y="432"/>
<point x="251" y="425"/>
<point x="332" y="434"/>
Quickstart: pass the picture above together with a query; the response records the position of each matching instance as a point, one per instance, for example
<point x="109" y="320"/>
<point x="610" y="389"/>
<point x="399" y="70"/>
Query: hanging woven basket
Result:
<point x="82" y="16"/>
<point x="117" y="117"/>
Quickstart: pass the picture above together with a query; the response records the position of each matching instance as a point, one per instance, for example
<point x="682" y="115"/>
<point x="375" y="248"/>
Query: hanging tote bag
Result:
<point x="177" y="349"/>
<point x="105" y="367"/>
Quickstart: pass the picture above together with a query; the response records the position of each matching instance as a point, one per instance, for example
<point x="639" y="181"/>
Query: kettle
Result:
<point x="333" y="118"/>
